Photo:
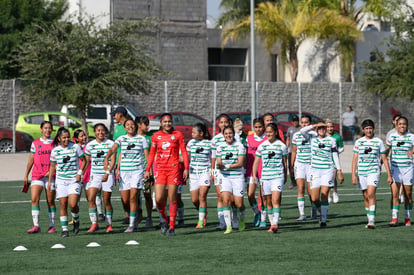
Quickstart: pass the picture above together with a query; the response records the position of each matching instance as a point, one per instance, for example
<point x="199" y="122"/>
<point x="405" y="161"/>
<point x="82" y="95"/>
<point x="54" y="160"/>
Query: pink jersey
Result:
<point x="41" y="151"/>
<point x="253" y="142"/>
<point x="87" y="175"/>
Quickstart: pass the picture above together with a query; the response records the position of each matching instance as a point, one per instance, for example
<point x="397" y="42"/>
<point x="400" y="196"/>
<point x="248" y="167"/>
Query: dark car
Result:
<point x="245" y="117"/>
<point x="184" y="122"/>
<point x="23" y="141"/>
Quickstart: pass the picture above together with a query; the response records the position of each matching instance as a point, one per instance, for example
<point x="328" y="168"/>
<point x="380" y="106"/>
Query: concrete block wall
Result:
<point x="321" y="99"/>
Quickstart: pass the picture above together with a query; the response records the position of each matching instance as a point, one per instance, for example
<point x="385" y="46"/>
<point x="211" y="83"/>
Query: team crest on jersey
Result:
<point x="40" y="146"/>
<point x="172" y="137"/>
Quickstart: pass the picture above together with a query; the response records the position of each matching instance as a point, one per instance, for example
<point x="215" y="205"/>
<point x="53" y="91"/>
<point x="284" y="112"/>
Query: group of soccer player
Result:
<point x="228" y="161"/>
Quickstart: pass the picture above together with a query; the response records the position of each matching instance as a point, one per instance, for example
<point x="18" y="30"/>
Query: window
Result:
<point x="55" y="119"/>
<point x="97" y="113"/>
<point x="34" y="119"/>
<point x="189" y="120"/>
<point x="282" y="117"/>
<point x="227" y="64"/>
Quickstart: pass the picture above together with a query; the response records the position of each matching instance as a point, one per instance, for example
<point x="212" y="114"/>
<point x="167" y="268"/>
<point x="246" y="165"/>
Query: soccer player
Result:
<point x="230" y="162"/>
<point x="340" y="146"/>
<point x="199" y="152"/>
<point x="253" y="141"/>
<point x="324" y="157"/>
<point x="143" y="126"/>
<point x="289" y="137"/>
<point x="165" y="147"/>
<point x="133" y="149"/>
<point x="269" y="118"/>
<point x="369" y="151"/>
<point x="223" y="121"/>
<point x="64" y="160"/>
<point x="101" y="177"/>
<point x="401" y="146"/>
<point x="272" y="154"/>
<point x="120" y="116"/>
<point x="300" y="160"/>
<point x="39" y="160"/>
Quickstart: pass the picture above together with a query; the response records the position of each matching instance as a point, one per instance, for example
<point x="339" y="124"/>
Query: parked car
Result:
<point x="30" y="123"/>
<point x="23" y="141"/>
<point x="98" y="113"/>
<point x="184" y="122"/>
<point x="284" y="119"/>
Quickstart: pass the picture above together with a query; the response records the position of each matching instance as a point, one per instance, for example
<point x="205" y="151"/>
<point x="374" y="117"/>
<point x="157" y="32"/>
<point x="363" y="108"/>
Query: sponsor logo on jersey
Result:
<point x="165" y="145"/>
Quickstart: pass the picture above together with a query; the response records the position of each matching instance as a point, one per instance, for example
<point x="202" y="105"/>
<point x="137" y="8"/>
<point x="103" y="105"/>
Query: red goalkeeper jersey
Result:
<point x="166" y="147"/>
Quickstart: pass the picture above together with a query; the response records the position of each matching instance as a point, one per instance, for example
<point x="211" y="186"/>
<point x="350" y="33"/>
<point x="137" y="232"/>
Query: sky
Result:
<point x="213" y="12"/>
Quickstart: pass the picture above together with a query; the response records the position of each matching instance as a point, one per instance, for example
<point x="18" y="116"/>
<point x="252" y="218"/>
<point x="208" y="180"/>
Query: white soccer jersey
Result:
<point x="271" y="155"/>
<point x="400" y="145"/>
<point x="215" y="142"/>
<point x="200" y="156"/>
<point x="67" y="161"/>
<point x="132" y="152"/>
<point x="97" y="151"/>
<point x="303" y="147"/>
<point x="229" y="154"/>
<point x="369" y="152"/>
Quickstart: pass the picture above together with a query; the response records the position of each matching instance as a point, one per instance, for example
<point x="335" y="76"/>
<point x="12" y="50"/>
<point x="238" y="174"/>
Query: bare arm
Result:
<point x="29" y="167"/>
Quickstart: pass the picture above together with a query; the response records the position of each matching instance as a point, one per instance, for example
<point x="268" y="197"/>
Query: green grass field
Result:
<point x="298" y="248"/>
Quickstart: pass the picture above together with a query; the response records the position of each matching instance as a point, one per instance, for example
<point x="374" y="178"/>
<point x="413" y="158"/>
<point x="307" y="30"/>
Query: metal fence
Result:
<point x="210" y="98"/>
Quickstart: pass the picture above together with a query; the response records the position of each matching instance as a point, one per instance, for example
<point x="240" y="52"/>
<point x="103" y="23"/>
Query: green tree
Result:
<point x="16" y="18"/>
<point x="289" y="23"/>
<point x="81" y="64"/>
<point x="391" y="73"/>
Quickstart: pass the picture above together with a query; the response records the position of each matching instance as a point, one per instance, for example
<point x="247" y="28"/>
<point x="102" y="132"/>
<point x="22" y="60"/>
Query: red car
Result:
<point x="284" y="119"/>
<point x="23" y="141"/>
<point x="184" y="122"/>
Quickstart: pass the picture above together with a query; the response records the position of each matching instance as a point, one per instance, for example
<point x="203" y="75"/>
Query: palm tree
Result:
<point x="289" y="23"/>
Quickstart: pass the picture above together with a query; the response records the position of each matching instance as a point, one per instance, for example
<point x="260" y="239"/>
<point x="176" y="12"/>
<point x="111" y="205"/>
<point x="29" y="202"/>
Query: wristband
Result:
<point x="80" y="172"/>
<point x="107" y="172"/>
<point x="227" y="166"/>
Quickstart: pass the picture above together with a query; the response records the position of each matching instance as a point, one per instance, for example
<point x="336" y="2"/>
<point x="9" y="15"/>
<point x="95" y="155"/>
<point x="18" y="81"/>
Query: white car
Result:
<point x="99" y="113"/>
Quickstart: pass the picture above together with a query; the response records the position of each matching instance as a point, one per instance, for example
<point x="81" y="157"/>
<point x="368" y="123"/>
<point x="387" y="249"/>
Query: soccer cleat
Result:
<point x="301" y="218"/>
<point x="93" y="228"/>
<point x="262" y="224"/>
<point x="148" y="223"/>
<point x="64" y="234"/>
<point x="401" y="199"/>
<point x="370" y="225"/>
<point x="323" y="224"/>
<point x="171" y="232"/>
<point x="242" y="225"/>
<point x="101" y="217"/>
<point x="394" y="223"/>
<point x="200" y="225"/>
<point x="273" y="228"/>
<point x="76" y="226"/>
<point x="407" y="222"/>
<point x="329" y="200"/>
<point x="109" y="229"/>
<point x="163" y="228"/>
<point x="180" y="223"/>
<point x="256" y="220"/>
<point x="292" y="186"/>
<point x="229" y="229"/>
<point x="51" y="229"/>
<point x="34" y="229"/>
<point x="314" y="213"/>
<point x="130" y="229"/>
<point x="205" y="219"/>
<point x="125" y="220"/>
<point x="335" y="197"/>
